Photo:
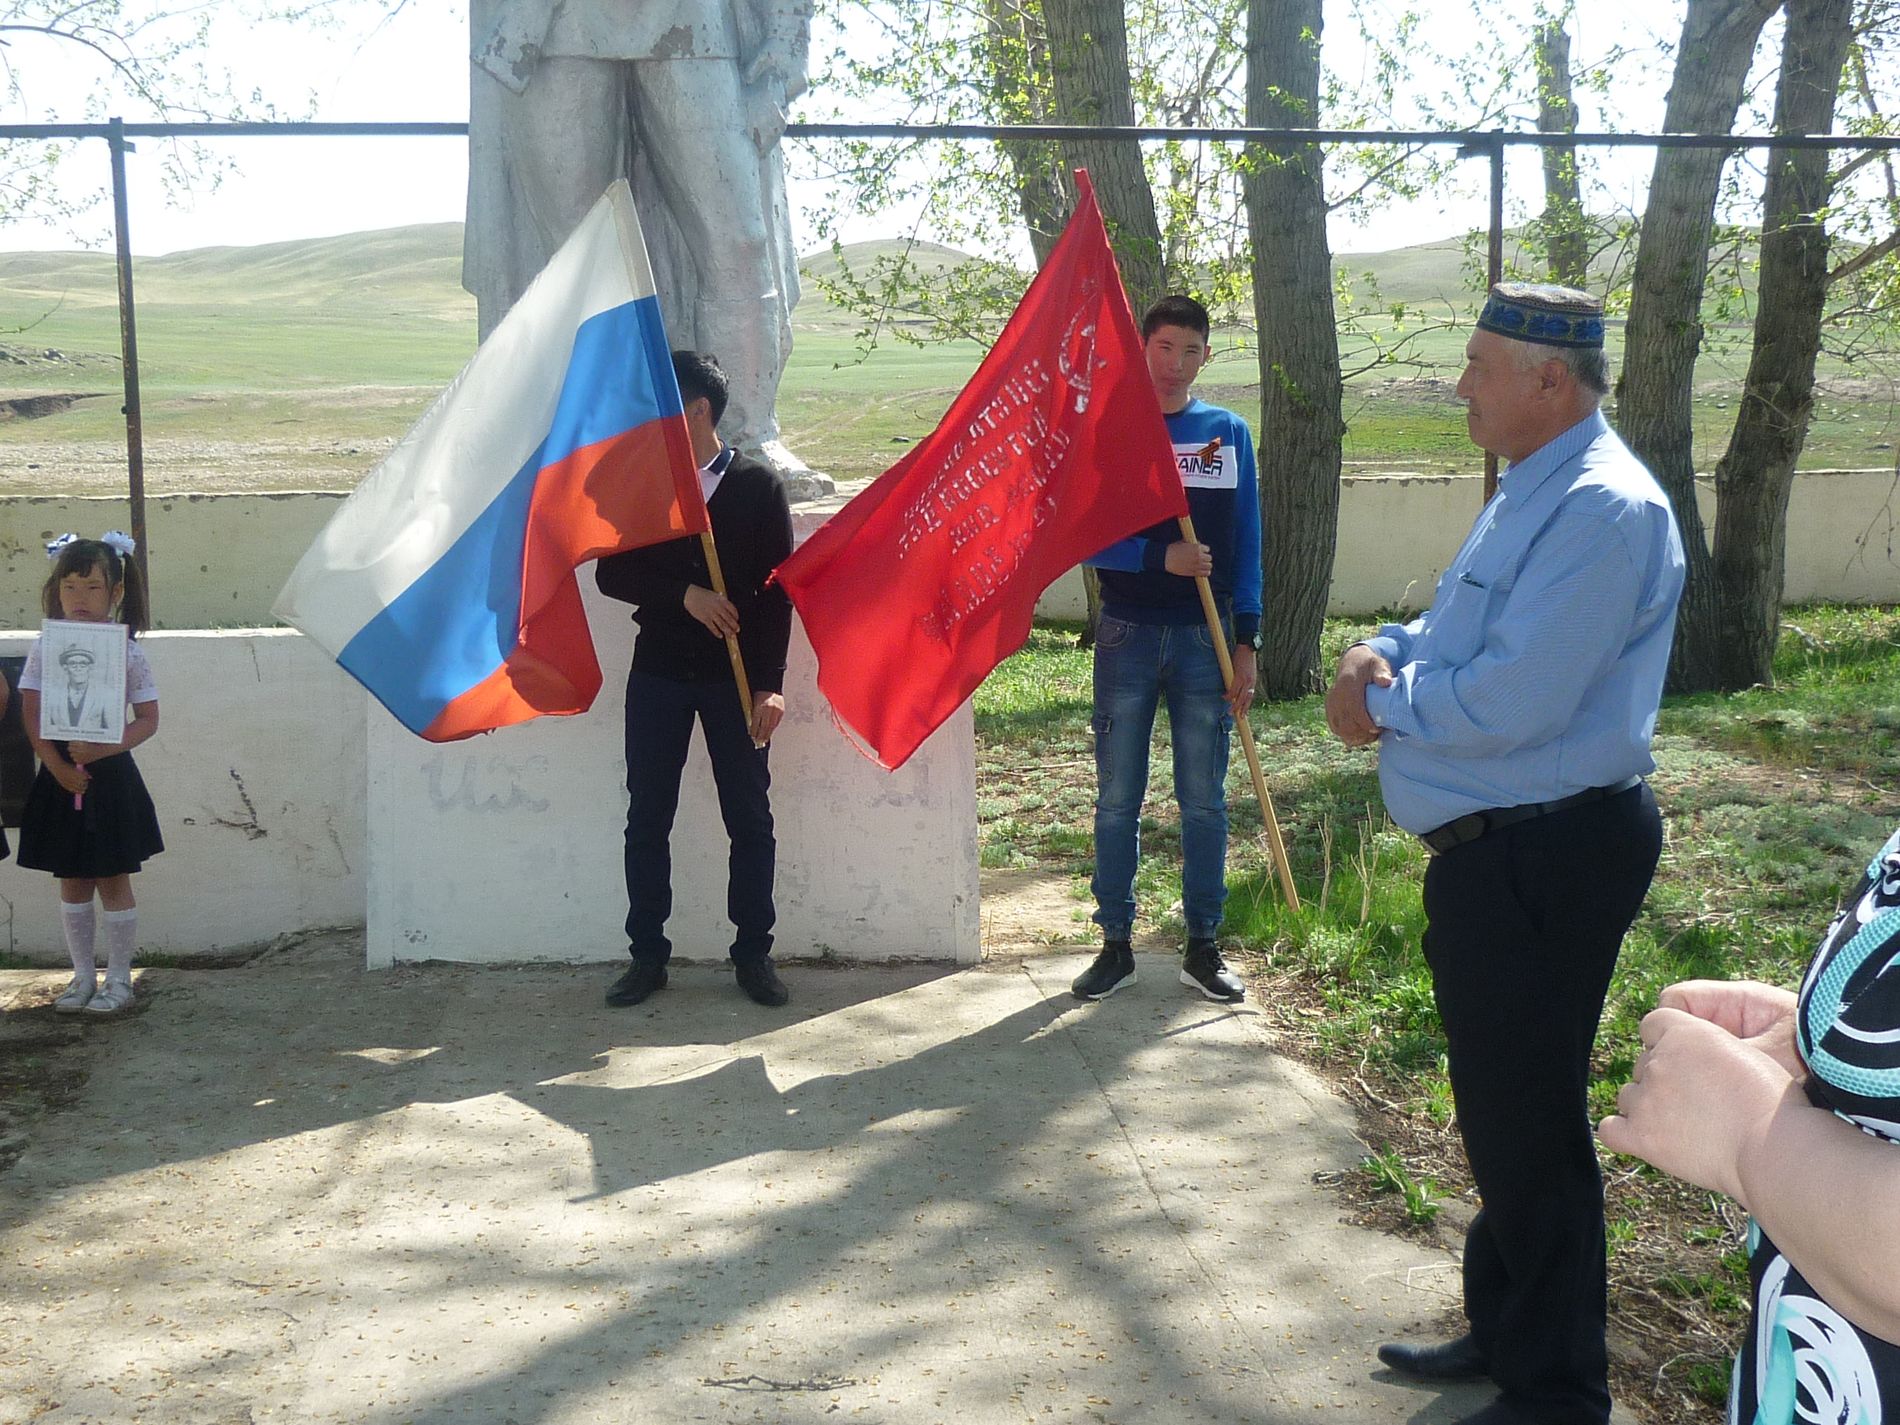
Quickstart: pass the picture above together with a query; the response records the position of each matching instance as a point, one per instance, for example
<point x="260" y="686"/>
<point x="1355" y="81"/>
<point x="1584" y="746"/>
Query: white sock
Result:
<point x="80" y="927"/>
<point x="122" y="938"/>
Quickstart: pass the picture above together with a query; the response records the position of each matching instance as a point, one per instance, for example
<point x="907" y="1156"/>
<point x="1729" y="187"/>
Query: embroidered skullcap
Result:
<point x="1545" y="314"/>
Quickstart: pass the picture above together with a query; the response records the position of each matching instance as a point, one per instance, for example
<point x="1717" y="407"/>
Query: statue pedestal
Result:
<point x="508" y="847"/>
<point x="802" y="483"/>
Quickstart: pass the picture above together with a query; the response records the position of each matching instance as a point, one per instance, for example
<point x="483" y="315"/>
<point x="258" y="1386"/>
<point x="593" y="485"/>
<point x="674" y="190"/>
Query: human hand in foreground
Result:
<point x="1189" y="560"/>
<point x="1761" y="1016"/>
<point x="713" y="610"/>
<point x="768" y="709"/>
<point x="73" y="779"/>
<point x="1246" y="674"/>
<point x="1696" y="1098"/>
<point x="84" y="753"/>
<point x="1346" y="712"/>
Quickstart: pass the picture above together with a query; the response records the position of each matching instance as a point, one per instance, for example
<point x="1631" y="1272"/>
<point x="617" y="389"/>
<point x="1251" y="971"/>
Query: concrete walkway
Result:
<point x="298" y="1191"/>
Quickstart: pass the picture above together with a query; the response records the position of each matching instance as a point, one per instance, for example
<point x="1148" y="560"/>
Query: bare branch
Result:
<point x="1866" y="257"/>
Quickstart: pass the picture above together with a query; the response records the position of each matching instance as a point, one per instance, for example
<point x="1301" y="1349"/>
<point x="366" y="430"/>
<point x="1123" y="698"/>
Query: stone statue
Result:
<point x="684" y="98"/>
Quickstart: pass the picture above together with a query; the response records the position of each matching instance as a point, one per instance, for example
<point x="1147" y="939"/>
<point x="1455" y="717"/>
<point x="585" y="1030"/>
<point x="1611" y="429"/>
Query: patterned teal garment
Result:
<point x="1803" y="1361"/>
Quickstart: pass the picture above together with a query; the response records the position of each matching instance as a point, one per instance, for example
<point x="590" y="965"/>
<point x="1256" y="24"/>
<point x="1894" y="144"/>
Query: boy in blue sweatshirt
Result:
<point x="1153" y="640"/>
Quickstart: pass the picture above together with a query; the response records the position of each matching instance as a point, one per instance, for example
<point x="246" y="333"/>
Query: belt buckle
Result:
<point x="1456" y="832"/>
<point x="1469" y="827"/>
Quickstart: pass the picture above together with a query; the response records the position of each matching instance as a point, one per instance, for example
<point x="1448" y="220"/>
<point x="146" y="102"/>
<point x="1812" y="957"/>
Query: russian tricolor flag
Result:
<point x="445" y="583"/>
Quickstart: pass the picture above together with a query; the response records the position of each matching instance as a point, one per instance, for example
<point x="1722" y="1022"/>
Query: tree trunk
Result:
<point x="1300" y="425"/>
<point x="1088" y="55"/>
<point x="1665" y="319"/>
<point x="1771" y="422"/>
<point x="1566" y="251"/>
<point x="1016" y="61"/>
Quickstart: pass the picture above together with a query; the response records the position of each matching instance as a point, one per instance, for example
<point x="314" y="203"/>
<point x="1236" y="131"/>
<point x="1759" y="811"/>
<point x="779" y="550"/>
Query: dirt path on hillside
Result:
<point x="186" y="467"/>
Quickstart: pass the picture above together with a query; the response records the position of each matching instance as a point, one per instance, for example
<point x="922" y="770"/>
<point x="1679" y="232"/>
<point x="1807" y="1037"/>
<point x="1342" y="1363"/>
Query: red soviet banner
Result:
<point x="1056" y="449"/>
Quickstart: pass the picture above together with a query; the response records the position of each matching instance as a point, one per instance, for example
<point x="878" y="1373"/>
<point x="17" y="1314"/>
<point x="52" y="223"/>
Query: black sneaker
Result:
<point x="643" y="977"/>
<point x="1207" y="972"/>
<point x="759" y="979"/>
<point x="1112" y="969"/>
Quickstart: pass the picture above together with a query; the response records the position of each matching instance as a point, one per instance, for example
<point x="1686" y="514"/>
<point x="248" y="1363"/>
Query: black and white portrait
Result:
<point x="82" y="697"/>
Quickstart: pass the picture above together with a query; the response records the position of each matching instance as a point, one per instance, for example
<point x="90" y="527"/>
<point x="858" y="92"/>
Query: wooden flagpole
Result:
<point x="732" y="640"/>
<point x="1219" y="636"/>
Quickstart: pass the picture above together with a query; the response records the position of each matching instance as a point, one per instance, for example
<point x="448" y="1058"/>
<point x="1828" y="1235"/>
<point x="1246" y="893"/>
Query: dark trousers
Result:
<point x="1523" y="929"/>
<point x="660" y="716"/>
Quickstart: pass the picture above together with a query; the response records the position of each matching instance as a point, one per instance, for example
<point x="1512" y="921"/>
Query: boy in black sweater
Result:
<point x="681" y="673"/>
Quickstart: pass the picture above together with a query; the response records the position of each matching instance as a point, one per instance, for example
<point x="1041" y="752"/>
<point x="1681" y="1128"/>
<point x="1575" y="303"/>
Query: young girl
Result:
<point x="89" y="819"/>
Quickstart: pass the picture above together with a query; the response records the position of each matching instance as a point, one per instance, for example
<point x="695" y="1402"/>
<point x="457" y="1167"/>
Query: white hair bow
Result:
<point x="115" y="539"/>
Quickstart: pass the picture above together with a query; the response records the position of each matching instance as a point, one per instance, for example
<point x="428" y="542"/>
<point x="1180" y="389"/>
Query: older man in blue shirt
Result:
<point x="1513" y="722"/>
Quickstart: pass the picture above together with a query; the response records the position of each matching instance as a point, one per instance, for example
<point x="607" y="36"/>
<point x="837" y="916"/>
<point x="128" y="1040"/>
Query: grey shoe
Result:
<point x="77" y="995"/>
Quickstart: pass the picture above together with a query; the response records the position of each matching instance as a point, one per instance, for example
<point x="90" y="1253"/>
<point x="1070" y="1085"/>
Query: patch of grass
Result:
<point x="1618" y="1233"/>
<point x="1387" y="1172"/>
<point x="1709" y="1381"/>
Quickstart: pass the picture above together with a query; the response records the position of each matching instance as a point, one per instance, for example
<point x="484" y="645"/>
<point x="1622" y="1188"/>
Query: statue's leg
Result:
<point x="691" y="118"/>
<point x="559" y="144"/>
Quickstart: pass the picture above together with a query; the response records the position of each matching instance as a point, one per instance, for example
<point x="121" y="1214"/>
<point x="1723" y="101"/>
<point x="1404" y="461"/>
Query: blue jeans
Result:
<point x="1135" y="664"/>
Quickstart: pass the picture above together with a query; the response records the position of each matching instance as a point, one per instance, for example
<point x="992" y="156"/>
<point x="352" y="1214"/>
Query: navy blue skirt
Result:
<point x="111" y="833"/>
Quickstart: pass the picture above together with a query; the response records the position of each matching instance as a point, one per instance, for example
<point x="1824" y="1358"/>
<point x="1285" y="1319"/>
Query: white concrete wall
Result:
<point x="258" y="773"/>
<point x="290" y="800"/>
<point x="217" y="561"/>
<point x="1397" y="532"/>
<point x="508" y="847"/>
<point x="1843" y="533"/>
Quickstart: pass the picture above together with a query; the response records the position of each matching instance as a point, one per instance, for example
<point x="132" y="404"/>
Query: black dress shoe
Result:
<point x="760" y="981"/>
<point x="1448" y="1360"/>
<point x="643" y="977"/>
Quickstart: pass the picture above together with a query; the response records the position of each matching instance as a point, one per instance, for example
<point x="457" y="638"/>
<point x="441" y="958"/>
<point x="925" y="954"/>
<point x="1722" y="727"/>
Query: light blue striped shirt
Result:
<point x="1538" y="668"/>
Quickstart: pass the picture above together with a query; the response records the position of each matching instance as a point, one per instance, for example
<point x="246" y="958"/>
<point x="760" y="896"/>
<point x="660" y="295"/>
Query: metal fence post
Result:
<point x="1494" y="273"/>
<point x="129" y="348"/>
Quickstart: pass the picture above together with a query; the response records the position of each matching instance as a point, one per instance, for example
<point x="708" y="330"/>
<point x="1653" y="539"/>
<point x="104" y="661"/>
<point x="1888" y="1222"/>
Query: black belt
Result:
<point x="1479" y="823"/>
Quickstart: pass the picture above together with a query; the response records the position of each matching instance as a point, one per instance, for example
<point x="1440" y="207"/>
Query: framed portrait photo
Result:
<point x="82" y="681"/>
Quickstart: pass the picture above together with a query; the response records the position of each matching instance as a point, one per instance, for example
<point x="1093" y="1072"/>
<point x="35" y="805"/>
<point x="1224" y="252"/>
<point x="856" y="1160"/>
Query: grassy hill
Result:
<point x="419" y="268"/>
<point x="927" y="257"/>
<point x="297" y="364"/>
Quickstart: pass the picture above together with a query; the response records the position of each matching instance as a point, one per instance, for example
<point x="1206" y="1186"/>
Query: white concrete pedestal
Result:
<point x="508" y="847"/>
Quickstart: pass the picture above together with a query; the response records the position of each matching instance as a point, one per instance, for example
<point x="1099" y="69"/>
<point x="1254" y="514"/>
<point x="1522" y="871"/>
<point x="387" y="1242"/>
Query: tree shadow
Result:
<point x="964" y="1170"/>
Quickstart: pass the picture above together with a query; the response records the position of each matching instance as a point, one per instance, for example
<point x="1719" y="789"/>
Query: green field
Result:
<point x="297" y="365"/>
